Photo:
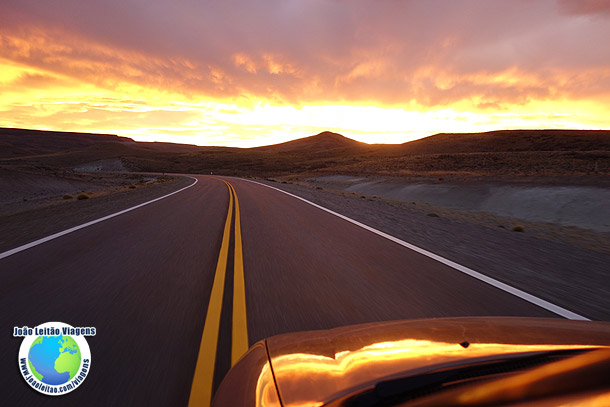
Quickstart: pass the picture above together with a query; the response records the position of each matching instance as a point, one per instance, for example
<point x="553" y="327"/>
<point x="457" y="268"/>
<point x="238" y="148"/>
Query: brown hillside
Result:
<point x="515" y="153"/>
<point x="511" y="141"/>
<point x="23" y="142"/>
<point x="324" y="141"/>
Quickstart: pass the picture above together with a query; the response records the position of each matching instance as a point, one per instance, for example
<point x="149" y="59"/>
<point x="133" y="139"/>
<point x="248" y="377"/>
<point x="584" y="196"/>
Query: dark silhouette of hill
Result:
<point x="511" y="141"/>
<point x="24" y="142"/>
<point x="324" y="141"/>
<point x="579" y="153"/>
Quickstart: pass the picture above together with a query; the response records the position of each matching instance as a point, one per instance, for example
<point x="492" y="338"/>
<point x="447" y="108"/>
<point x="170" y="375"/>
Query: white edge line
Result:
<point x="84" y="225"/>
<point x="491" y="281"/>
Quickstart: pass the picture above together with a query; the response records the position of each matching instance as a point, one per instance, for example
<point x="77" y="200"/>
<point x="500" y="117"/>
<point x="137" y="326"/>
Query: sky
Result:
<point x="256" y="72"/>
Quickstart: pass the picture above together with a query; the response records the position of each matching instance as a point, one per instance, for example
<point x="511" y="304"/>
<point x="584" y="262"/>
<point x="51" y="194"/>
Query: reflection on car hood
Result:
<point x="311" y="368"/>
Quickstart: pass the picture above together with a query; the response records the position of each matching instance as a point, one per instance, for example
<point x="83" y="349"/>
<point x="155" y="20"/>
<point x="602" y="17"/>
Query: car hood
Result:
<point x="312" y="368"/>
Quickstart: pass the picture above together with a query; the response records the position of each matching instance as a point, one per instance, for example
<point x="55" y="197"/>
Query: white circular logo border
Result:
<point x="62" y="389"/>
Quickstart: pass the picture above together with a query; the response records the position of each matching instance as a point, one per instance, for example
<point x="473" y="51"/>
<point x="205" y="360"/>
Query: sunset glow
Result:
<point x="242" y="74"/>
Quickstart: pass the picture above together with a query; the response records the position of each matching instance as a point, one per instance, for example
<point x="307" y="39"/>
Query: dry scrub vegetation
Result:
<point x="582" y="155"/>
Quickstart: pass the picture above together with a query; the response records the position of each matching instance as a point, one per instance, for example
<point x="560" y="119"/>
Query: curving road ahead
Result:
<point x="150" y="279"/>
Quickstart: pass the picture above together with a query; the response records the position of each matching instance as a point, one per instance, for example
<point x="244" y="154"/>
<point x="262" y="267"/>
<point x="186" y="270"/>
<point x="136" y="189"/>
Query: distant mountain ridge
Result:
<point x="24" y="142"/>
<point x="508" y="152"/>
<point x="323" y="141"/>
<point x="511" y="141"/>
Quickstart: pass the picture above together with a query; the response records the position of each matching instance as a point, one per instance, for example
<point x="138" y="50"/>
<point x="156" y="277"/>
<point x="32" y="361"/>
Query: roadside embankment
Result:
<point x="36" y="204"/>
<point x="550" y="260"/>
<point x="584" y="207"/>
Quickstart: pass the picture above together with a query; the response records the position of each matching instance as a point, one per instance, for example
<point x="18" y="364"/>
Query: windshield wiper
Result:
<point x="390" y="392"/>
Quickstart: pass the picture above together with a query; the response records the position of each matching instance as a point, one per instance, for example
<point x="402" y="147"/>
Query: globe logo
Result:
<point x="54" y="359"/>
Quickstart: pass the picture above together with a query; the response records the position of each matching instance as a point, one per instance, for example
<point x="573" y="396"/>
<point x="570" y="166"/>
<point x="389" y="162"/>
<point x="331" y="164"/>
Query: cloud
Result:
<point x="581" y="7"/>
<point x="430" y="53"/>
<point x="27" y="81"/>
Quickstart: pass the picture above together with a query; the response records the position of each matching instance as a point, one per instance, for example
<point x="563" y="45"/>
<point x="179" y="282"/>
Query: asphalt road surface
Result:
<point x="145" y="280"/>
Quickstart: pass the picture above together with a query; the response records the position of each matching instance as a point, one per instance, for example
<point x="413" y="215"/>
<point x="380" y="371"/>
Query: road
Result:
<point x="145" y="280"/>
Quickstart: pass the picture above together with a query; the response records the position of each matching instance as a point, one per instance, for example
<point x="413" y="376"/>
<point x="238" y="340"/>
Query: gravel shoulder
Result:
<point x="570" y="275"/>
<point x="34" y="219"/>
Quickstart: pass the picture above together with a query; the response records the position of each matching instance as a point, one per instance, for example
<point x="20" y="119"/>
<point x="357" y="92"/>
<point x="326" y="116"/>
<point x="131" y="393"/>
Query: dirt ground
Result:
<point x="25" y="188"/>
<point x="554" y="261"/>
<point x="37" y="203"/>
<point x="581" y="206"/>
<point x="572" y="215"/>
<point x="559" y="260"/>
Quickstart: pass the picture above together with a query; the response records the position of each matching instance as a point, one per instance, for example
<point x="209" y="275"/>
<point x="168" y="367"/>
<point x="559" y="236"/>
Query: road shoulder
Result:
<point x="567" y="275"/>
<point x="21" y="227"/>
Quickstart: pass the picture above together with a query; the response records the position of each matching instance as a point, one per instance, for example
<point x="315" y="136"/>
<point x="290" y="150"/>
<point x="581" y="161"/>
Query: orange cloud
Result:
<point x="432" y="62"/>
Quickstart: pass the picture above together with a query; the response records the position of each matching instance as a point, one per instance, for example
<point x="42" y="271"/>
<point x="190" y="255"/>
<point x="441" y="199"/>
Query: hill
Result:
<point x="23" y="142"/>
<point x="323" y="141"/>
<point x="511" y="141"/>
<point x="515" y="153"/>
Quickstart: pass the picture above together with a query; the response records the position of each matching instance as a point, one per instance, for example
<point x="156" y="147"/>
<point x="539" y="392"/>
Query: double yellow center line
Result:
<point x="201" y="389"/>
